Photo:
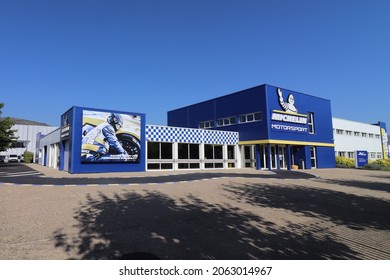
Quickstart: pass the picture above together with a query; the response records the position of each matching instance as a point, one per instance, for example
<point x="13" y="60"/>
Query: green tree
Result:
<point x="7" y="135"/>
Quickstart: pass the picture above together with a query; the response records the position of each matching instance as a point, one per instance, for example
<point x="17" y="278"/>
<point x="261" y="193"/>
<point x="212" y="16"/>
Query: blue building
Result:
<point x="278" y="128"/>
<point x="264" y="127"/>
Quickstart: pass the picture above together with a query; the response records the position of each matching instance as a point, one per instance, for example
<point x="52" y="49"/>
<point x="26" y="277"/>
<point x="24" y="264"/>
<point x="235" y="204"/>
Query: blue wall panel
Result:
<point x="326" y="157"/>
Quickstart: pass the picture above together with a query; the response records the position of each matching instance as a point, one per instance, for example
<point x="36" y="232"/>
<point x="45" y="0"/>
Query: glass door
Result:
<point x="282" y="157"/>
<point x="273" y="157"/>
<point x="249" y="156"/>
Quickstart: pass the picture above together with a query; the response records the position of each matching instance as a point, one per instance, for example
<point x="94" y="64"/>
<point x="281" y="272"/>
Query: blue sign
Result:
<point x="361" y="158"/>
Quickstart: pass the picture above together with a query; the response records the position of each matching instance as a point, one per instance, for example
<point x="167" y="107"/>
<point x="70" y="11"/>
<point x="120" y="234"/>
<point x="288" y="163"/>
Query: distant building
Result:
<point x="26" y="133"/>
<point x="351" y="136"/>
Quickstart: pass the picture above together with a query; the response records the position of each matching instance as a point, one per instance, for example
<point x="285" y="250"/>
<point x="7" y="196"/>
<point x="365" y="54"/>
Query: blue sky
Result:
<point x="153" y="56"/>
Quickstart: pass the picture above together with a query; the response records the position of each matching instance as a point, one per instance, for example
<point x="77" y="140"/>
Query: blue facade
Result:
<point x="79" y="156"/>
<point x="286" y="127"/>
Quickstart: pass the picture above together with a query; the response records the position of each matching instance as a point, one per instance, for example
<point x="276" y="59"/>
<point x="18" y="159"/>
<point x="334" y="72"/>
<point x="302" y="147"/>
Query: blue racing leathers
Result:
<point x="100" y="143"/>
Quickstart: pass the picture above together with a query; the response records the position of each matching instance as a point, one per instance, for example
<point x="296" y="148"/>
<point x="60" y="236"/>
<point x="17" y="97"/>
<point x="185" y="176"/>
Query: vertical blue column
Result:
<point x="258" y="157"/>
<point x="307" y="158"/>
<point x="62" y="155"/>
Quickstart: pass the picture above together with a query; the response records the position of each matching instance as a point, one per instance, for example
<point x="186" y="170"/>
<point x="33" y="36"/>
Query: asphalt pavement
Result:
<point x="19" y="173"/>
<point x="245" y="214"/>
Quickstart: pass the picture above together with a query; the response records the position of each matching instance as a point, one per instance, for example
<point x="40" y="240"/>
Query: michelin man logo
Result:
<point x="288" y="105"/>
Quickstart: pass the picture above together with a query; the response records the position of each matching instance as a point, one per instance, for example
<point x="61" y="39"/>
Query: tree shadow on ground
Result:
<point x="188" y="228"/>
<point x="375" y="186"/>
<point x="355" y="212"/>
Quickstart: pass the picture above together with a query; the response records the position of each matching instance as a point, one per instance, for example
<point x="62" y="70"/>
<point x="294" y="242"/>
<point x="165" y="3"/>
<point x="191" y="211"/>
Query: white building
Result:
<point x="351" y="136"/>
<point x="26" y="134"/>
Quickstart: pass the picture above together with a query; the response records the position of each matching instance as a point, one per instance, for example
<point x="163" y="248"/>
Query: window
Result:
<point x="231" y="152"/>
<point x="226" y="121"/>
<point x="231" y="155"/>
<point x="188" y="155"/>
<point x="356" y="133"/>
<point x="213" y="155"/>
<point x="339" y="131"/>
<point x="160" y="156"/>
<point x="311" y="122"/>
<point x="351" y="155"/>
<point x="252" y="117"/>
<point x="378" y="155"/>
<point x="377" y="136"/>
<point x="207" y="124"/>
<point x="341" y="154"/>
<point x="19" y="144"/>
<point x="371" y="135"/>
<point x="364" y="134"/>
<point x="372" y="155"/>
<point x="348" y="132"/>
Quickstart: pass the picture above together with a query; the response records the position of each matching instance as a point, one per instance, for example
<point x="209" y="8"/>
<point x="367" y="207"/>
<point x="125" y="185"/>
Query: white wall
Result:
<point x="351" y="143"/>
<point x="28" y="134"/>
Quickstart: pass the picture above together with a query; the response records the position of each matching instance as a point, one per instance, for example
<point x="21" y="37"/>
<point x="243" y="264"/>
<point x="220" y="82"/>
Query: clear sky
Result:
<point x="152" y="56"/>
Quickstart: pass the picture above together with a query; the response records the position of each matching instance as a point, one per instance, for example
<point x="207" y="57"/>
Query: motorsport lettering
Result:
<point x="289" y="128"/>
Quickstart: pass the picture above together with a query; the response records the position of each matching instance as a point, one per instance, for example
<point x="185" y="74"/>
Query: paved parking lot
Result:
<point x="333" y="214"/>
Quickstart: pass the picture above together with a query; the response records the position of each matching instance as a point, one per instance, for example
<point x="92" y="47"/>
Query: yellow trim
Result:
<point x="289" y="113"/>
<point x="285" y="142"/>
<point x="90" y="147"/>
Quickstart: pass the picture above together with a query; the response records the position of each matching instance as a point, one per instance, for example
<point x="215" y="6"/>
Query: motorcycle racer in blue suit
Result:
<point x="101" y="142"/>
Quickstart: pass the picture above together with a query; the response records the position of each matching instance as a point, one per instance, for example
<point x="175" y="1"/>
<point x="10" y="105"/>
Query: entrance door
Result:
<point x="282" y="157"/>
<point x="249" y="156"/>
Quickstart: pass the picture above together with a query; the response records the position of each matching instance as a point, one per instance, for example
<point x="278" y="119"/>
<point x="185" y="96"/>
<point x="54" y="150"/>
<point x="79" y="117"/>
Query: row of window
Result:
<point x="372" y="155"/>
<point x="19" y="144"/>
<point x="356" y="133"/>
<point x="247" y="118"/>
<point x="159" y="150"/>
<point x="252" y="117"/>
<point x="161" y="156"/>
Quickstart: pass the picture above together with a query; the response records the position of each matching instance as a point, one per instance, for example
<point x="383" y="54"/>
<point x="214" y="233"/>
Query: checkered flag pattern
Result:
<point x="220" y="137"/>
<point x="155" y="133"/>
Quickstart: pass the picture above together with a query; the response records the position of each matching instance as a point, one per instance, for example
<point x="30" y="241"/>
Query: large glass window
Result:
<point x="166" y="150"/>
<point x="160" y="156"/>
<point x="188" y="151"/>
<point x="188" y="155"/>
<point x="213" y="155"/>
<point x="208" y="152"/>
<point x="231" y="152"/>
<point x="153" y="150"/>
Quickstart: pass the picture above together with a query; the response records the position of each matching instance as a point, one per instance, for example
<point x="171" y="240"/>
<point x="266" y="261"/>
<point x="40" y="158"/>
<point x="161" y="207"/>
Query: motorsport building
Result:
<point x="264" y="127"/>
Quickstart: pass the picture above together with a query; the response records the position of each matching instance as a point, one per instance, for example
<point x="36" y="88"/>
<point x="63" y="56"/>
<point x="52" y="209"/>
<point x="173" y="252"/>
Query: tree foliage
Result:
<point x="7" y="135"/>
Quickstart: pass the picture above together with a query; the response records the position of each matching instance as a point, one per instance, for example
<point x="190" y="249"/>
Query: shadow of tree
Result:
<point x="355" y="212"/>
<point x="188" y="228"/>
<point x="376" y="186"/>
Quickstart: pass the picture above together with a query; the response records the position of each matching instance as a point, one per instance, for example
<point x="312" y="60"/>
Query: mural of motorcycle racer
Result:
<point x="109" y="140"/>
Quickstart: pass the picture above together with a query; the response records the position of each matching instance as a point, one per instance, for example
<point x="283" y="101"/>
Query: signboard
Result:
<point x="288" y="120"/>
<point x="110" y="137"/>
<point x="385" y="145"/>
<point x="361" y="158"/>
<point x="65" y="127"/>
